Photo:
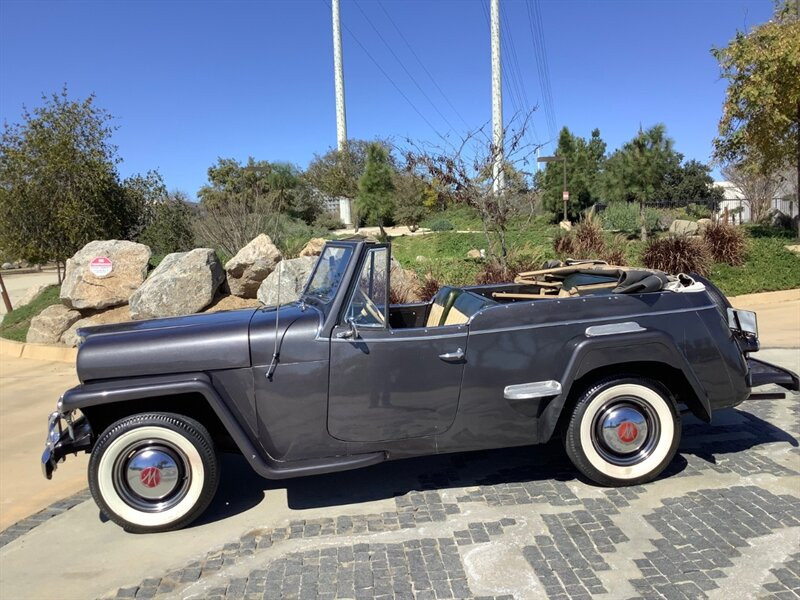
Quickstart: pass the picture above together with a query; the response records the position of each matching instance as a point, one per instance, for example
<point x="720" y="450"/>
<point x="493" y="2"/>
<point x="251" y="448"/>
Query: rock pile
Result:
<point x="107" y="282"/>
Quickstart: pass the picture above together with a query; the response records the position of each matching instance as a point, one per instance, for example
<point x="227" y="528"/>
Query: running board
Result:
<point x="316" y="466"/>
<point x="767" y="396"/>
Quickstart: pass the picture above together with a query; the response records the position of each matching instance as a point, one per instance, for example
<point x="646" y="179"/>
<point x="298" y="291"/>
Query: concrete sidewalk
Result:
<point x="29" y="390"/>
<point x="778" y="316"/>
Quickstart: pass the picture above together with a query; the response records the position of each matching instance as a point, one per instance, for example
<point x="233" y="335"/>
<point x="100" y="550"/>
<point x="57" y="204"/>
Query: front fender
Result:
<point x="587" y="354"/>
<point x="104" y="392"/>
<point x="137" y="388"/>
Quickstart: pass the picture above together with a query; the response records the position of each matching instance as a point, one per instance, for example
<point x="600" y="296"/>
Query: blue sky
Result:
<point x="191" y="81"/>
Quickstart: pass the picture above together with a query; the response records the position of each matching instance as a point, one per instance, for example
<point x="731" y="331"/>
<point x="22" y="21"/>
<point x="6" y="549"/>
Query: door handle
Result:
<point x="452" y="356"/>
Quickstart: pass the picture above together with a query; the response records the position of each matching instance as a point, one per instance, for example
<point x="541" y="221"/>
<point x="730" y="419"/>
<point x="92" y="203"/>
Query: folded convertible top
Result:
<point x="574" y="277"/>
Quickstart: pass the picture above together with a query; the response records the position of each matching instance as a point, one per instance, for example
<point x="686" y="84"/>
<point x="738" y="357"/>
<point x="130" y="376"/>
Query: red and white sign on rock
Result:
<point x="100" y="266"/>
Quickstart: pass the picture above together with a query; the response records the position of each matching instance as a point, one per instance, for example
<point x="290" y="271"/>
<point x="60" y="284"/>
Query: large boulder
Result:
<point x="49" y="325"/>
<point x="119" y="314"/>
<point x="230" y="302"/>
<point x="702" y="225"/>
<point x="682" y="227"/>
<point x="184" y="283"/>
<point x="313" y="247"/>
<point x="293" y="274"/>
<point x="104" y="273"/>
<point x="251" y="265"/>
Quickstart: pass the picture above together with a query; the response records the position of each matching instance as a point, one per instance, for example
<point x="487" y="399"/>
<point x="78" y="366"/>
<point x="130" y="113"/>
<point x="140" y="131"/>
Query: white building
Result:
<point x="739" y="207"/>
<point x="340" y="207"/>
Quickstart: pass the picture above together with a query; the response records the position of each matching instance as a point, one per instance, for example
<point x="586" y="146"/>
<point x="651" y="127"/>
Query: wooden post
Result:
<point x="727" y="215"/>
<point x="6" y="299"/>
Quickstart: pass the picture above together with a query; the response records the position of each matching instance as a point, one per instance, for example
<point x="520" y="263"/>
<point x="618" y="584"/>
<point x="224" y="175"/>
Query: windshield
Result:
<point x="327" y="276"/>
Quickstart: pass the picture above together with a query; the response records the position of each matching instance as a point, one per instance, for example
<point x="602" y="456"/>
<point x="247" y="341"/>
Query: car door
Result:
<point x="389" y="384"/>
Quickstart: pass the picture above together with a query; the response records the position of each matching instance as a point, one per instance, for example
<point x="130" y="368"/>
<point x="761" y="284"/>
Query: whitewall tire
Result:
<point x="153" y="472"/>
<point x="623" y="431"/>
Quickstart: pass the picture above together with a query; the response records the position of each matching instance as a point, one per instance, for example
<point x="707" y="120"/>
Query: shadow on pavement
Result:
<point x="734" y="431"/>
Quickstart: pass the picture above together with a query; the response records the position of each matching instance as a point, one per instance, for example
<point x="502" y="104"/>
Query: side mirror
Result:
<point x="352" y="331"/>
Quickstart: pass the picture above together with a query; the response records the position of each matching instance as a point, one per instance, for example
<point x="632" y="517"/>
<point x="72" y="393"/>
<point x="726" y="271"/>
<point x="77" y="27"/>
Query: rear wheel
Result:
<point x="153" y="472"/>
<point x="623" y="431"/>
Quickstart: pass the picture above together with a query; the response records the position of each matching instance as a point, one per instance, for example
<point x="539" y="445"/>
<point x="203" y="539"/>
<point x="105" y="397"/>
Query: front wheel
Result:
<point x="623" y="431"/>
<point x="153" y="472"/>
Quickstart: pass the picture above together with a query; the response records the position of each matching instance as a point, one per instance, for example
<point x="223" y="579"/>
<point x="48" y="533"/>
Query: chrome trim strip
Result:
<point x="594" y="320"/>
<point x="613" y="329"/>
<point x="534" y="389"/>
<point x="394" y="337"/>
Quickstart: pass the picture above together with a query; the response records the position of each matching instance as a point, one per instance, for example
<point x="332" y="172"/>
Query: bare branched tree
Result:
<point x="465" y="171"/>
<point x="758" y="190"/>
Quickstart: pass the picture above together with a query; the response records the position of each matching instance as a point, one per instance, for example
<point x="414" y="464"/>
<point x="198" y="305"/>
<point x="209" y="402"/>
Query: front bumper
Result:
<point x="65" y="435"/>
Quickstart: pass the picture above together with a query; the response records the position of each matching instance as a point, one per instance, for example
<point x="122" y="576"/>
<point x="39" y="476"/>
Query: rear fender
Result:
<point x="587" y="354"/>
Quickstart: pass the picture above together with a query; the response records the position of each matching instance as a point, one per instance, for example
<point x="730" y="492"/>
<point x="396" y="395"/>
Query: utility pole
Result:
<point x="498" y="174"/>
<point x="338" y="73"/>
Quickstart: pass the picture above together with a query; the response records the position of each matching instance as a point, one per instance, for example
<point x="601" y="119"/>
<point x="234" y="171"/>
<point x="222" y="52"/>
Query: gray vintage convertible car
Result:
<point x="605" y="357"/>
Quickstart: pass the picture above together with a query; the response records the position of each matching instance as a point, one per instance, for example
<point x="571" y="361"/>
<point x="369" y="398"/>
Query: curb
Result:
<point x="23" y="526"/>
<point x="37" y="351"/>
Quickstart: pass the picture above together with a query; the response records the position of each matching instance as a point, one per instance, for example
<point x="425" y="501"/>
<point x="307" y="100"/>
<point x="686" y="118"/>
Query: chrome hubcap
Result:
<point x="152" y="473"/>
<point x="624" y="429"/>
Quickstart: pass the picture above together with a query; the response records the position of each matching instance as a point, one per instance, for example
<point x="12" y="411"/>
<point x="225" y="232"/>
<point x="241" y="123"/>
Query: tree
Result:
<point x="760" y="122"/>
<point x="375" y="199"/>
<point x="464" y="174"/>
<point x="636" y="172"/>
<point x="688" y="183"/>
<point x="584" y="164"/>
<point x="411" y="193"/>
<point x="241" y="201"/>
<point x="337" y="173"/>
<point x="59" y="188"/>
<point x="170" y="224"/>
<point x="143" y="194"/>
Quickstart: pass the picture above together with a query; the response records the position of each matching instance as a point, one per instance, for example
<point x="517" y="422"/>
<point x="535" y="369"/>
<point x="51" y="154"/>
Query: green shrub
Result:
<point x="440" y="225"/>
<point x="461" y="216"/>
<point x="328" y="221"/>
<point x="698" y="211"/>
<point x="624" y="217"/>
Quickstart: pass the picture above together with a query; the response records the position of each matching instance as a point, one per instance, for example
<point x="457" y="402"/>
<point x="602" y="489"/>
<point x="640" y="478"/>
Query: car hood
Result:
<point x="205" y="342"/>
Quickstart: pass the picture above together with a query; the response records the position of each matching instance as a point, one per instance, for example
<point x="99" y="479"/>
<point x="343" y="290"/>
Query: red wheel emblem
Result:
<point x="150" y="477"/>
<point x="627" y="432"/>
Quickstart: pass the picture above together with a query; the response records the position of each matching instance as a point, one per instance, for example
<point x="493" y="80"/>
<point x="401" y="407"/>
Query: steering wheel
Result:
<point x="369" y="307"/>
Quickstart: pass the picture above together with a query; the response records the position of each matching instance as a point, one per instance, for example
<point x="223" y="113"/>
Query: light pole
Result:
<point x="338" y="75"/>
<point x="498" y="171"/>
<point x="565" y="193"/>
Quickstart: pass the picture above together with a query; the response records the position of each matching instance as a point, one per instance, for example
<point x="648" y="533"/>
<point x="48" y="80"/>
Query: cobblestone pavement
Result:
<point x="722" y="522"/>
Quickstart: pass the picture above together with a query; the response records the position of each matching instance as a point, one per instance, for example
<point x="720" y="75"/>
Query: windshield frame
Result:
<point x="324" y="304"/>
